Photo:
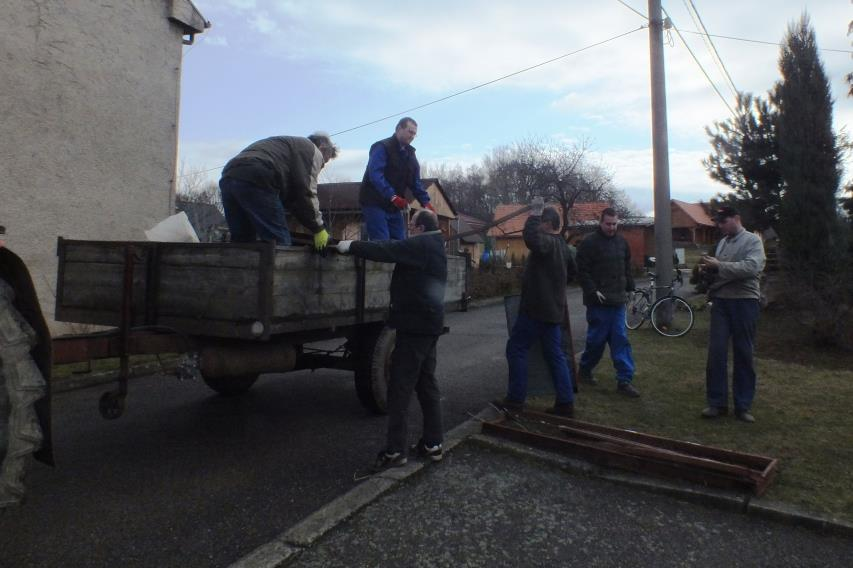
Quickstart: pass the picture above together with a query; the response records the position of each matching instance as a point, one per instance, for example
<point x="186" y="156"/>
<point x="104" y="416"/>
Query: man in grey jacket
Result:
<point x="270" y="178"/>
<point x="734" y="295"/>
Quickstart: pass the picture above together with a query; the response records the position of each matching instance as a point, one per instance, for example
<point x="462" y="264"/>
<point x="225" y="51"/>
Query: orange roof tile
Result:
<point x="696" y="211"/>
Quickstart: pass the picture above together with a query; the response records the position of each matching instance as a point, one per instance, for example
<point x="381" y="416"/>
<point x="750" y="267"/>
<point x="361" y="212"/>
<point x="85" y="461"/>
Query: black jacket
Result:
<point x="285" y="165"/>
<point x="549" y="268"/>
<point x="418" y="283"/>
<point x="604" y="265"/>
<point x="400" y="171"/>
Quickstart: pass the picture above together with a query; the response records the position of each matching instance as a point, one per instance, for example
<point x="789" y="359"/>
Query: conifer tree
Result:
<point x="809" y="157"/>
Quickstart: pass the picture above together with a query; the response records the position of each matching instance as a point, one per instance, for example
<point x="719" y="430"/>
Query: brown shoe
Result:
<point x="564" y="409"/>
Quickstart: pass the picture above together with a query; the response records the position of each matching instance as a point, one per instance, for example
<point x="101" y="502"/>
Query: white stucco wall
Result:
<point x="89" y="97"/>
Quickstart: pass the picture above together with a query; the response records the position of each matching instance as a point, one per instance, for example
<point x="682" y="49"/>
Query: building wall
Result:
<point x="88" y="124"/>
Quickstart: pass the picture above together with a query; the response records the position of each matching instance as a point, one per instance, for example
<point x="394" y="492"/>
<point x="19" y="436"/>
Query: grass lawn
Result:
<point x="802" y="407"/>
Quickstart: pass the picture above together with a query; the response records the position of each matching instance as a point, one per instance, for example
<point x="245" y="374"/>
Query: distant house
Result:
<point x="208" y="222"/>
<point x="471" y="244"/>
<point x="342" y="213"/>
<point x="692" y="224"/>
<point x="583" y="219"/>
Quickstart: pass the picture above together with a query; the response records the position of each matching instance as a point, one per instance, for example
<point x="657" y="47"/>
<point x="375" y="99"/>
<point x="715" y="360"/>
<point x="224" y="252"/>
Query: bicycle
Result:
<point x="671" y="315"/>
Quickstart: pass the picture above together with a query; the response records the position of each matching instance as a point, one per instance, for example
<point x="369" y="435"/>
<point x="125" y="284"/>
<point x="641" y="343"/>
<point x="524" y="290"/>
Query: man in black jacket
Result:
<point x="604" y="272"/>
<point x="392" y="170"/>
<point x="549" y="268"/>
<point x="273" y="176"/>
<point x="417" y="313"/>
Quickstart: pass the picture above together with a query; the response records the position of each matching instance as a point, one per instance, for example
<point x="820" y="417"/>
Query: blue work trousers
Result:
<point x="734" y="319"/>
<point x="383" y="225"/>
<point x="525" y="331"/>
<point x="253" y="213"/>
<point x="606" y="325"/>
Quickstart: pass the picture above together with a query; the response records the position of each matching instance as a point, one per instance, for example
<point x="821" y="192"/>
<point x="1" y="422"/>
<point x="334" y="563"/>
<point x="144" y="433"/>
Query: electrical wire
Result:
<point x="645" y="17"/>
<point x="773" y="43"/>
<point x="709" y="43"/>
<point x="468" y="90"/>
<point x="701" y="68"/>
<point x="475" y="87"/>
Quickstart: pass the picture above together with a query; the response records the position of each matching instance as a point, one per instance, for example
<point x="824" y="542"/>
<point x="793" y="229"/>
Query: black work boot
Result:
<point x="628" y="390"/>
<point x="564" y="409"/>
<point x="585" y="376"/>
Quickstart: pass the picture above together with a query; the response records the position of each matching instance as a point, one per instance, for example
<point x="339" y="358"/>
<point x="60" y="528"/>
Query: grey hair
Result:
<point x="324" y="142"/>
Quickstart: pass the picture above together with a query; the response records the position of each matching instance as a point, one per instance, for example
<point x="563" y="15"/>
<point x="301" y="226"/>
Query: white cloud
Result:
<point x="215" y="40"/>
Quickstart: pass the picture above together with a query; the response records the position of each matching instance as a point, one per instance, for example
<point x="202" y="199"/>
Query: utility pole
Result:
<point x="660" y="148"/>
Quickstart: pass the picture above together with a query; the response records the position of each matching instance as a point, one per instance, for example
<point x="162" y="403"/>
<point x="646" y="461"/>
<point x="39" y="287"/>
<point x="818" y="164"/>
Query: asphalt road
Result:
<point x="188" y="478"/>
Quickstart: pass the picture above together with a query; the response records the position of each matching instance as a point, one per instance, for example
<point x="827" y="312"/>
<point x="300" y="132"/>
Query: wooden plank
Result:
<point x="100" y="286"/>
<point x="220" y="257"/>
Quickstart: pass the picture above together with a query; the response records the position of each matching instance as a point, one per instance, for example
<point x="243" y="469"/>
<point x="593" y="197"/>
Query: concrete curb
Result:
<point x="289" y="544"/>
<point x="717" y="498"/>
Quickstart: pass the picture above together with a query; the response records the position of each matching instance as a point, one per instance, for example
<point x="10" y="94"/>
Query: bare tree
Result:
<point x="557" y="171"/>
<point x="195" y="196"/>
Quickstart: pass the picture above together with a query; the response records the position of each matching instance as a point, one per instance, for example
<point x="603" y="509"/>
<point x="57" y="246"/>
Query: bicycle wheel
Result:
<point x="672" y="316"/>
<point x="637" y="310"/>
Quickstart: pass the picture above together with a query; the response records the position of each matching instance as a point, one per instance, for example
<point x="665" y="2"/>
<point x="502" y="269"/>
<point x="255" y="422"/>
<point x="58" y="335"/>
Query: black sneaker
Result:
<point x="628" y="390"/>
<point x="433" y="453"/>
<point x="385" y="461"/>
<point x="586" y="377"/>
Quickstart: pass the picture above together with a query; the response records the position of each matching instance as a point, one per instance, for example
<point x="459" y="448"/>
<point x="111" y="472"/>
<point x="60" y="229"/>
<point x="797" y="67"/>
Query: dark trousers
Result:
<point x="525" y="331"/>
<point x="734" y="319"/>
<point x="253" y="213"/>
<point x="413" y="369"/>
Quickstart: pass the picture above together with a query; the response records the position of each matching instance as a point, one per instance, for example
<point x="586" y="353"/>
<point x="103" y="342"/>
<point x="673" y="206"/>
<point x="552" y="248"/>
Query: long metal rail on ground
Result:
<point x="637" y="452"/>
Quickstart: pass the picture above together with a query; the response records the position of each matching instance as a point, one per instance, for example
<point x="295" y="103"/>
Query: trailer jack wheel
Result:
<point x="111" y="405"/>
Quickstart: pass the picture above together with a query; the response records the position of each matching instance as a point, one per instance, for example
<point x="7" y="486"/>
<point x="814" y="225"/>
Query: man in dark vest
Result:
<point x="391" y="170"/>
<point x="270" y="178"/>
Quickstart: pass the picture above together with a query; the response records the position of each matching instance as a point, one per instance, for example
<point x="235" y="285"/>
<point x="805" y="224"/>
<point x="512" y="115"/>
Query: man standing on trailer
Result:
<point x="734" y="294"/>
<point x="270" y="177"/>
<point x="392" y="169"/>
<point x="549" y="268"/>
<point x="604" y="272"/>
<point x="417" y="313"/>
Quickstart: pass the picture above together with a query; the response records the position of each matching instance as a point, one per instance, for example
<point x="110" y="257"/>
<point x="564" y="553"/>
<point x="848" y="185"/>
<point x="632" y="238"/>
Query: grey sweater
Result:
<point x="741" y="262"/>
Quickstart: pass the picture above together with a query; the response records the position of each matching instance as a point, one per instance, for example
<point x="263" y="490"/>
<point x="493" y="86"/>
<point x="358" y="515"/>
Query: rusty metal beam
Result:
<point x="637" y="452"/>
<point x="83" y="348"/>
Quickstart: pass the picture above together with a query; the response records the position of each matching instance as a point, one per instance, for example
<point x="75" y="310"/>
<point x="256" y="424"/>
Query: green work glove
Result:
<point x="321" y="239"/>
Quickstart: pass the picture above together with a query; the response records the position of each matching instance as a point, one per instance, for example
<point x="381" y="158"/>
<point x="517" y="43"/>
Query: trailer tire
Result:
<point x="231" y="386"/>
<point x="374" y="370"/>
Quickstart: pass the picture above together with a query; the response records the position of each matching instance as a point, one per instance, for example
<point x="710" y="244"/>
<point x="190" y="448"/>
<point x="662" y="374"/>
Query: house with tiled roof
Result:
<point x="342" y="213"/>
<point x="583" y="219"/>
<point x="692" y="224"/>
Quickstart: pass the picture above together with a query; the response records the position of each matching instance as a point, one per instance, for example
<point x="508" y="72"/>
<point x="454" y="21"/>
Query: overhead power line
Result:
<point x="468" y="90"/>
<point x="773" y="43"/>
<point x="709" y="43"/>
<point x="475" y="87"/>
<point x="645" y="17"/>
<point x="701" y="68"/>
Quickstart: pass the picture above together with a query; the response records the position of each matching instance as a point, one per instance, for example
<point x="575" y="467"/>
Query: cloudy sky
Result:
<point x="271" y="67"/>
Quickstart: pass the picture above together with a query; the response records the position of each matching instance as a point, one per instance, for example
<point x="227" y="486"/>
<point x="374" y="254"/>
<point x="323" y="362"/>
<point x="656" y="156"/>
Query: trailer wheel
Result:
<point x="231" y="386"/>
<point x="374" y="369"/>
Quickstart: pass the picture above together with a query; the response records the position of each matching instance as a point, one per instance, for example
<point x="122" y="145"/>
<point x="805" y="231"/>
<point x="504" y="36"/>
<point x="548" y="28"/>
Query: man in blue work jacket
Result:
<point x="391" y="170"/>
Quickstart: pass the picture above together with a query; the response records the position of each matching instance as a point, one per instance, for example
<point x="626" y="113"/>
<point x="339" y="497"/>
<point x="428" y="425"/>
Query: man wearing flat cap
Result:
<point x="734" y="294"/>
